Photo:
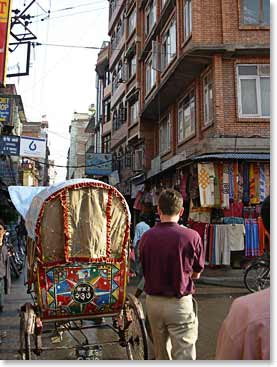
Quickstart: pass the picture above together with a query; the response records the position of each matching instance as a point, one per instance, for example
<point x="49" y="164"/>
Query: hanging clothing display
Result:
<point x="236" y="179"/>
<point x="206" y="184"/>
<point x="254" y="183"/>
<point x="251" y="238"/>
<point x="226" y="188"/>
<point x="246" y="197"/>
<point x="231" y="181"/>
<point x="240" y="183"/>
<point x="262" y="183"/>
<point x="183" y="186"/>
<point x="216" y="186"/>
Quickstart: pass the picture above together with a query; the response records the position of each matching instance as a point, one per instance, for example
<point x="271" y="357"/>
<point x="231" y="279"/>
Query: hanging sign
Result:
<point x="32" y="147"/>
<point x="9" y="145"/>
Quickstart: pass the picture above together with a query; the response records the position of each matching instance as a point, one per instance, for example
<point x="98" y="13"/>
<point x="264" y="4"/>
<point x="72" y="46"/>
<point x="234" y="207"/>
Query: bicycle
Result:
<point x="257" y="274"/>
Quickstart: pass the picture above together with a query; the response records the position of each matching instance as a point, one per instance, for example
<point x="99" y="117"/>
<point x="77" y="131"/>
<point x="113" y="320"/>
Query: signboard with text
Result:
<point x="5" y="10"/>
<point x="98" y="164"/>
<point x="5" y="110"/>
<point x="9" y="145"/>
<point x="32" y="147"/>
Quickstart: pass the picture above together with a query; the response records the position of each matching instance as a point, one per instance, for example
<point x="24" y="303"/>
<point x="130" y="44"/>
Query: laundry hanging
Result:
<point x="226" y="186"/>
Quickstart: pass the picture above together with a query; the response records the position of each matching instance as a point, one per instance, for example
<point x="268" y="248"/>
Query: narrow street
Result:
<point x="213" y="301"/>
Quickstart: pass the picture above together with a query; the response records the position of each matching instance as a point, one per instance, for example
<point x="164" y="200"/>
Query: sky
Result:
<point x="61" y="79"/>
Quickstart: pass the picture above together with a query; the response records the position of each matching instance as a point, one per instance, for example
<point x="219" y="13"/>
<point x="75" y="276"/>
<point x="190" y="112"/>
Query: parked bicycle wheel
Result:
<point x="257" y="277"/>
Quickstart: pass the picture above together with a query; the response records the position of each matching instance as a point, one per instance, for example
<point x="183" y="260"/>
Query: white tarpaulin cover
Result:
<point x="22" y="197"/>
<point x="37" y="200"/>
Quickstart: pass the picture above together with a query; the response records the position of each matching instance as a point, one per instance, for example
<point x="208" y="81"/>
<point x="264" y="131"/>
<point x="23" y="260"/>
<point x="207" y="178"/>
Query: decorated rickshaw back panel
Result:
<point x="81" y="289"/>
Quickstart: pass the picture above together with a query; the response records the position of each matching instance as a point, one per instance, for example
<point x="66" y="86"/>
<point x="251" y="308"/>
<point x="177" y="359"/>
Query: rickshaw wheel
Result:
<point x="136" y="340"/>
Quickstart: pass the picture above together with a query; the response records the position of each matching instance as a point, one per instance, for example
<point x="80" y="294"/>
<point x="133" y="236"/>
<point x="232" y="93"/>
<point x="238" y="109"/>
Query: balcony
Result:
<point x="107" y="128"/>
<point x="107" y="91"/>
<point x="119" y="5"/>
<point x="90" y="147"/>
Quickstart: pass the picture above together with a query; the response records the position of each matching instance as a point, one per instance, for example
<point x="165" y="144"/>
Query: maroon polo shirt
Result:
<point x="169" y="254"/>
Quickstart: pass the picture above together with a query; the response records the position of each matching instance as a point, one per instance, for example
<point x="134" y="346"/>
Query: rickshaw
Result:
<point x="77" y="270"/>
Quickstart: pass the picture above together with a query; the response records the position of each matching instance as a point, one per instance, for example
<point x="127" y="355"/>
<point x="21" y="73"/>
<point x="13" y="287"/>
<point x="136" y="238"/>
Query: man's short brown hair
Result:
<point x="170" y="202"/>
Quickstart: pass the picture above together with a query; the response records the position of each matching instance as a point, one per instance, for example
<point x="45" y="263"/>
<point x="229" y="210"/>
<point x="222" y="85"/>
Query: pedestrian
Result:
<point x="5" y="277"/>
<point x="245" y="332"/>
<point x="141" y="227"/>
<point x="171" y="256"/>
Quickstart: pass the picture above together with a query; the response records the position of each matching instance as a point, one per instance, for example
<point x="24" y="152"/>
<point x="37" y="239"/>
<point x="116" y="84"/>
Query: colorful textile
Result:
<point x="252" y="248"/>
<point x="216" y="186"/>
<point x="262" y="183"/>
<point x="194" y="189"/>
<point x="206" y="184"/>
<point x="231" y="181"/>
<point x="236" y="180"/>
<point x="235" y="210"/>
<point x="240" y="182"/>
<point x="246" y="197"/>
<point x="267" y="179"/>
<point x="183" y="186"/>
<point x="226" y="188"/>
<point x="222" y="246"/>
<point x="254" y="183"/>
<point x="233" y="220"/>
<point x="262" y="235"/>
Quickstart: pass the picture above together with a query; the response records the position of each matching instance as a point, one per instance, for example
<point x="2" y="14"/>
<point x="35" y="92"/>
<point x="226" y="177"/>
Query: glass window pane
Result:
<point x="187" y="121"/>
<point x="248" y="97"/>
<point x="265" y="96"/>
<point x="251" y="11"/>
<point x="266" y="11"/>
<point x="180" y="124"/>
<point x="248" y="70"/>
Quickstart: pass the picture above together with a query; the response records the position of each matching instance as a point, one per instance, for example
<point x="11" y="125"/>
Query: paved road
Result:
<point x="213" y="301"/>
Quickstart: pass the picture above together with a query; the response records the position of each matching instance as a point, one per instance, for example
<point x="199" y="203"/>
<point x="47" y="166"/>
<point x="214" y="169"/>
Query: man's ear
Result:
<point x="181" y="212"/>
<point x="159" y="211"/>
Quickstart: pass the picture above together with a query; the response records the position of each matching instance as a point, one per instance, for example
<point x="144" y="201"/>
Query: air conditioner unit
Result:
<point x="138" y="161"/>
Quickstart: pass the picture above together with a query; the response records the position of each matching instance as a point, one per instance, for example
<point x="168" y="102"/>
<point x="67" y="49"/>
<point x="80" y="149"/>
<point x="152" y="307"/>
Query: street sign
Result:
<point x="9" y="145"/>
<point x="98" y="164"/>
<point x="32" y="147"/>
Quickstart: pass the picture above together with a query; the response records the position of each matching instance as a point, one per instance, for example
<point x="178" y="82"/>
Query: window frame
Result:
<point x="153" y="73"/>
<point x="165" y="121"/>
<point x="150" y="9"/>
<point x="134" y="118"/>
<point x="258" y="78"/>
<point x="260" y="16"/>
<point x="210" y="119"/>
<point x="191" y="94"/>
<point x="133" y="14"/>
<point x="166" y="54"/>
<point x="187" y="4"/>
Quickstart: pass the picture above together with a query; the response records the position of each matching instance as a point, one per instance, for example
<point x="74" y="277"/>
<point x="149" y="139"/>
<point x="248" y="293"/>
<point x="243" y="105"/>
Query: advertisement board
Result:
<point x="5" y="9"/>
<point x="98" y="164"/>
<point x="32" y="147"/>
<point x="5" y="110"/>
<point x="9" y="145"/>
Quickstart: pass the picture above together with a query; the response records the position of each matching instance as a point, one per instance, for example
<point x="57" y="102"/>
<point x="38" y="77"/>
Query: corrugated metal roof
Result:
<point x="248" y="156"/>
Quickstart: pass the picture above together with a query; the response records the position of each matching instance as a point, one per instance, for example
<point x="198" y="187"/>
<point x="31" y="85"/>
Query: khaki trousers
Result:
<point x="174" y="326"/>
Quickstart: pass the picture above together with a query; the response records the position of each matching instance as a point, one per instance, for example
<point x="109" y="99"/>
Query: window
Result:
<point x="107" y="144"/>
<point x="138" y="160"/>
<point x="132" y="66"/>
<point x="115" y="121"/>
<point x="208" y="99"/>
<point x="165" y="135"/>
<point x="169" y="45"/>
<point x="254" y="90"/>
<point x="150" y="17"/>
<point x="132" y="21"/>
<point x="255" y="12"/>
<point x="134" y="112"/>
<point x="150" y="76"/>
<point x="163" y="3"/>
<point x="186" y="117"/>
<point x="107" y="110"/>
<point x="187" y="19"/>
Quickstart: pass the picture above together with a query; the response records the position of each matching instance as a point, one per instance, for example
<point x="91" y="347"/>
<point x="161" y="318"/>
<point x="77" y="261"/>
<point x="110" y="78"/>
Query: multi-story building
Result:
<point x="190" y="83"/>
<point x="78" y="141"/>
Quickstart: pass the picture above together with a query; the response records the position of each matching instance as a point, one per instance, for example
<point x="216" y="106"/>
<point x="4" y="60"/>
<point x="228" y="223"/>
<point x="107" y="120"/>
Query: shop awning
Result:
<point x="241" y="156"/>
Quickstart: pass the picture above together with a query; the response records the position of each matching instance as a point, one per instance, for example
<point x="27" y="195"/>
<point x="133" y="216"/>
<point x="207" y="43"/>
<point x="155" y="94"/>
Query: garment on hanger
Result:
<point x="236" y="180"/>
<point x="206" y="184"/>
<point x="246" y="197"/>
<point x="262" y="183"/>
<point x="252" y="238"/>
<point x="216" y="186"/>
<point x="226" y="187"/>
<point x="254" y="183"/>
<point x="231" y="181"/>
<point x="235" y="235"/>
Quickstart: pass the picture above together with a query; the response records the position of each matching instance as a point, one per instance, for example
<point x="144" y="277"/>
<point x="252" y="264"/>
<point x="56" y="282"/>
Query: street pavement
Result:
<point x="213" y="303"/>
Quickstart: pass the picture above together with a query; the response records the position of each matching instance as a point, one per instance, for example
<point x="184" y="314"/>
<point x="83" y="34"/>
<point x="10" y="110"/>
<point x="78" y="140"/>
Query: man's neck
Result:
<point x="169" y="218"/>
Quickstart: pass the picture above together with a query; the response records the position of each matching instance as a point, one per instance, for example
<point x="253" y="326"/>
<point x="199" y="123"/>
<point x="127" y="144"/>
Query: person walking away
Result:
<point x="245" y="332"/>
<point x="5" y="277"/>
<point x="172" y="256"/>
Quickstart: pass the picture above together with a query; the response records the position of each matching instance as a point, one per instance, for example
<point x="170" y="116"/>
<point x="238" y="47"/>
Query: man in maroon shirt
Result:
<point x="171" y="257"/>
